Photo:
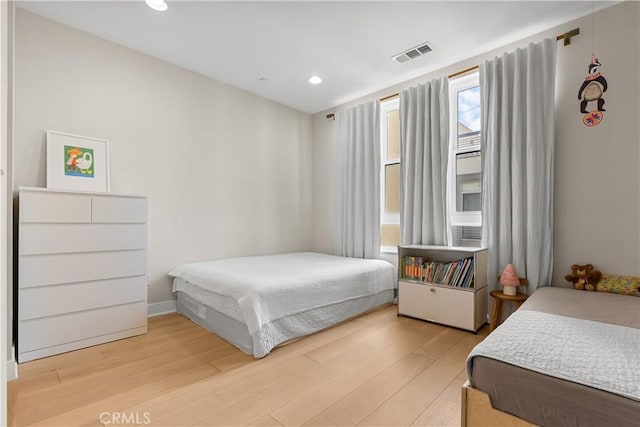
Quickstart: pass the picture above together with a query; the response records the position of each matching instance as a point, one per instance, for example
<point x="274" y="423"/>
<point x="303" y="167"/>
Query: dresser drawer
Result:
<point x="41" y="333"/>
<point x="70" y="238"/>
<point x="38" y="206"/>
<point x="54" y="269"/>
<point x="449" y="306"/>
<point x="119" y="209"/>
<point x="54" y="300"/>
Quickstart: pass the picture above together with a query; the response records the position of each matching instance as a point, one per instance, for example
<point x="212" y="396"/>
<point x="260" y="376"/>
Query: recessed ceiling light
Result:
<point x="314" y="80"/>
<point x="159" y="5"/>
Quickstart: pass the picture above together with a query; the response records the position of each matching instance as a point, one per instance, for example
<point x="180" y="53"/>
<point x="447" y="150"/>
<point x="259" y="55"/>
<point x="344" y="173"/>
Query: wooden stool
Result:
<point x="499" y="297"/>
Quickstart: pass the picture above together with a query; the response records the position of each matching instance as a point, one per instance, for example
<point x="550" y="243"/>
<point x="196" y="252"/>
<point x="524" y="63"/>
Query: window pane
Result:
<point x="469" y="182"/>
<point x="393" y="135"/>
<point x="466" y="236"/>
<point x="469" y="110"/>
<point x="390" y="234"/>
<point x="469" y="118"/>
<point x="392" y="188"/>
<point x="464" y="184"/>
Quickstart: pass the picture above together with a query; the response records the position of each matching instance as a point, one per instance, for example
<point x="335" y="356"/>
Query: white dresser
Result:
<point x="82" y="270"/>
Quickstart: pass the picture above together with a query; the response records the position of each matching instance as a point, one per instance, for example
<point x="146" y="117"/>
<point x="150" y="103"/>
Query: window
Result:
<point x="465" y="162"/>
<point x="464" y="186"/>
<point x="390" y="176"/>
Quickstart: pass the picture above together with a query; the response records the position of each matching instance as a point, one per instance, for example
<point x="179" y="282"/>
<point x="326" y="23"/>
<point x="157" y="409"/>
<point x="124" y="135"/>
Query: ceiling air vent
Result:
<point x="412" y="53"/>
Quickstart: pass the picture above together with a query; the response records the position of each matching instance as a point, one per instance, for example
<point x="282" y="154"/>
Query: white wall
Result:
<point x="227" y="173"/>
<point x="4" y="104"/>
<point x="6" y="202"/>
<point x="597" y="181"/>
<point x="597" y="177"/>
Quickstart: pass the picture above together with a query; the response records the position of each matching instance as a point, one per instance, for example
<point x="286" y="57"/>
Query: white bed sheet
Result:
<point x="267" y="288"/>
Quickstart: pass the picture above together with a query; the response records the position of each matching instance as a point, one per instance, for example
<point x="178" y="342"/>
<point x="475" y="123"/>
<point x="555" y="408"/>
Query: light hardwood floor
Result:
<point x="375" y="370"/>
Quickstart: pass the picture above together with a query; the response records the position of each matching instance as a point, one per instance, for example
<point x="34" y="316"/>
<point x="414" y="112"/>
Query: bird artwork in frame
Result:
<point x="77" y="162"/>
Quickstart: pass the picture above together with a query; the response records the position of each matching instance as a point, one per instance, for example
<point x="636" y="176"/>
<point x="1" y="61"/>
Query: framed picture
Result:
<point x="77" y="162"/>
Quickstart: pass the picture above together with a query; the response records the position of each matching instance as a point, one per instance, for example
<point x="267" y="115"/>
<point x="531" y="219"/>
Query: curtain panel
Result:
<point x="356" y="184"/>
<point x="517" y="98"/>
<point x="424" y="139"/>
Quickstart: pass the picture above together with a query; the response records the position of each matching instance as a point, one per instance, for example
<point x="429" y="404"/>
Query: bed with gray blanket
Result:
<point x="567" y="358"/>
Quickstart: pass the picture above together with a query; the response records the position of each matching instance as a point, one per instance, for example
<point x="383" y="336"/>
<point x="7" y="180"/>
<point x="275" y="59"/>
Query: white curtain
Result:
<point x="517" y="96"/>
<point x="356" y="183"/>
<point x="424" y="136"/>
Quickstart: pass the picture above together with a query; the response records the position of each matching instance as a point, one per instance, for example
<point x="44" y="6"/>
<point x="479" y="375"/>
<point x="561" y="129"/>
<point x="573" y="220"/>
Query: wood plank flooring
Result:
<point x="375" y="370"/>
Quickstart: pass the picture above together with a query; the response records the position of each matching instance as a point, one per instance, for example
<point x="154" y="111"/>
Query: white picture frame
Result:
<point x="76" y="162"/>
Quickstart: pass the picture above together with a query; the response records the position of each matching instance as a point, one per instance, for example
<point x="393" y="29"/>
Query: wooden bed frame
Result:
<point x="477" y="411"/>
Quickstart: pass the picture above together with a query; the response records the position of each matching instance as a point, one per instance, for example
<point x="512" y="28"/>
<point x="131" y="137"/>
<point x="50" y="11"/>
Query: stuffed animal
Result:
<point x="584" y="277"/>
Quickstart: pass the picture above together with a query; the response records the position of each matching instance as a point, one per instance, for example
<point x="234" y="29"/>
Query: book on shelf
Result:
<point x="450" y="269"/>
<point x="413" y="267"/>
<point x="468" y="283"/>
<point x="465" y="270"/>
<point x="457" y="274"/>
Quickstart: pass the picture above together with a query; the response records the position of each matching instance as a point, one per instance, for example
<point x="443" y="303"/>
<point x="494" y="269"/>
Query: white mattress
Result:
<point x="259" y="291"/>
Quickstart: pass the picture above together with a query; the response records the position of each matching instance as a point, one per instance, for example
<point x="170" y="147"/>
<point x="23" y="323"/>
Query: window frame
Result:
<point x="459" y="218"/>
<point x="386" y="218"/>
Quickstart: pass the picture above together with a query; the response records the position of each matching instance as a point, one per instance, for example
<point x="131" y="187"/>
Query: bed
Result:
<point x="566" y="357"/>
<point x="258" y="302"/>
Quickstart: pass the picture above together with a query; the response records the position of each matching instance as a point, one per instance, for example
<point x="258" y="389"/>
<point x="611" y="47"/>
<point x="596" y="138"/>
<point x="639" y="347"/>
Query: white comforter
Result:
<point x="595" y="354"/>
<point x="271" y="287"/>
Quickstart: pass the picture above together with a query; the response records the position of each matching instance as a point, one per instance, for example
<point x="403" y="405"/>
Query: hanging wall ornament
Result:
<point x="591" y="94"/>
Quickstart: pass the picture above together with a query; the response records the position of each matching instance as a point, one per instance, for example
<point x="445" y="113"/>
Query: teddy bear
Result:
<point x="584" y="277"/>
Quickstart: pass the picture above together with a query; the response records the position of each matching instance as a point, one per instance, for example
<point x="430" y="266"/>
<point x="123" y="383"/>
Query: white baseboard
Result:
<point x="12" y="367"/>
<point x="158" y="308"/>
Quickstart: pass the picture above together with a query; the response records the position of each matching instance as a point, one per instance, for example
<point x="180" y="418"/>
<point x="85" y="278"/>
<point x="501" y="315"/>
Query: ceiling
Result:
<point x="348" y="44"/>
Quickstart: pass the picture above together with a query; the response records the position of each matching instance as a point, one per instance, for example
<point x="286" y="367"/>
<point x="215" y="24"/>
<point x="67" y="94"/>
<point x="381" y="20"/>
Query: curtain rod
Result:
<point x="384" y="98"/>
<point x="465" y="71"/>
<point x="393" y="95"/>
<point x="567" y="41"/>
<point x="567" y="36"/>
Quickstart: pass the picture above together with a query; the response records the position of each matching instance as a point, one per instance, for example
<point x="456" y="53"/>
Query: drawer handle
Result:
<point x="432" y="289"/>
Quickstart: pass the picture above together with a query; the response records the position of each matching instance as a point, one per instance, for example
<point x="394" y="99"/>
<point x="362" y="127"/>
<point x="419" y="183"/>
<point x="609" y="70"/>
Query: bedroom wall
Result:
<point x="6" y="355"/>
<point x="597" y="178"/>
<point x="227" y="173"/>
<point x="6" y="153"/>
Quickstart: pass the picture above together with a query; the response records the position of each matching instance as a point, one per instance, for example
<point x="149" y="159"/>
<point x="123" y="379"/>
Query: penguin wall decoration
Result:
<point x="592" y="90"/>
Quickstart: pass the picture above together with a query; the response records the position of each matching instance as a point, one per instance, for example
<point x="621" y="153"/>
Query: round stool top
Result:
<point x="517" y="297"/>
